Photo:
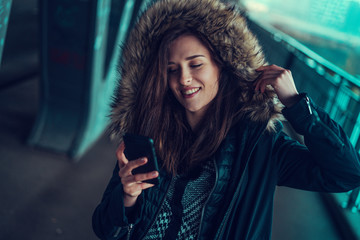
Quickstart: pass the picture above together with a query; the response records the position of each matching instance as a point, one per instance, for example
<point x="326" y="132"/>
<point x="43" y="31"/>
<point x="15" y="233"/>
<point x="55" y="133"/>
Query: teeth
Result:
<point x="191" y="91"/>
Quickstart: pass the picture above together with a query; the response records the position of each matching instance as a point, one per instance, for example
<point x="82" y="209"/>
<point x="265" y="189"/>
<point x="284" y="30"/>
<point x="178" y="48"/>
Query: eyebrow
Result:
<point x="189" y="58"/>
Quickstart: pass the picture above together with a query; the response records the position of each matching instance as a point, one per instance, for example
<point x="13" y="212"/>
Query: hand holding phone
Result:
<point x="136" y="147"/>
<point x="133" y="185"/>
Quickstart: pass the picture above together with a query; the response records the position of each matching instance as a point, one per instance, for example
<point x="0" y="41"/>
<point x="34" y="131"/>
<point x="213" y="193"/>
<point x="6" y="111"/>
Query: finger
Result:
<point x="274" y="73"/>
<point x="121" y="156"/>
<point x="120" y="149"/>
<point x="266" y="75"/>
<point x="277" y="76"/>
<point x="259" y="83"/>
<point x="145" y="176"/>
<point x="271" y="78"/>
<point x="258" y="78"/>
<point x="136" y="163"/>
<point x="262" y="85"/>
<point x="277" y="73"/>
<point x="128" y="180"/>
<point x="136" y="189"/>
<point x="138" y="178"/>
<point x="146" y="185"/>
<point x="133" y="188"/>
<point x="269" y="67"/>
<point x="126" y="170"/>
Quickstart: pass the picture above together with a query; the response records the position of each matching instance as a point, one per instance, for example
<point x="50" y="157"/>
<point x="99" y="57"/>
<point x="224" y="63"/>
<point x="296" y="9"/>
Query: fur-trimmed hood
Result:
<point x="226" y="30"/>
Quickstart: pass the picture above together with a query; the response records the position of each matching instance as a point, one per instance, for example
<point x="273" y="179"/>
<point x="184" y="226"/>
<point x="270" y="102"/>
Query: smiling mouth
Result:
<point x="190" y="92"/>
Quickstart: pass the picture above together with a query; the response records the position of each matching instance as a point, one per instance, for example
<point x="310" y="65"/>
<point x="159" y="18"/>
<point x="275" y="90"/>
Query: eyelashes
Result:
<point x="196" y="65"/>
<point x="172" y="70"/>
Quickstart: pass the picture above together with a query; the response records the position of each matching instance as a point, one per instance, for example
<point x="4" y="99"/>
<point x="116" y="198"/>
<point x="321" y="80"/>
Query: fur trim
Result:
<point x="226" y="29"/>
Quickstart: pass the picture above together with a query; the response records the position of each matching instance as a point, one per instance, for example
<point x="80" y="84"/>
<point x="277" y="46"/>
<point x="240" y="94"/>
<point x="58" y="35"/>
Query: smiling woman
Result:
<point x="199" y="86"/>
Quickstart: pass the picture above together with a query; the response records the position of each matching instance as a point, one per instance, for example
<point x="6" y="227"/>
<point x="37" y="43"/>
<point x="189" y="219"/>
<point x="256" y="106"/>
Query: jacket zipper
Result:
<point x="207" y="200"/>
<point x="308" y="104"/>
<point x="336" y="138"/>
<point x="158" y="211"/>
<point x="129" y="227"/>
<point x="227" y="214"/>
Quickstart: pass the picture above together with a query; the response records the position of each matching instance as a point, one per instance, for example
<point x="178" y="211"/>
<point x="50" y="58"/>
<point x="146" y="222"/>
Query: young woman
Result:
<point x="195" y="80"/>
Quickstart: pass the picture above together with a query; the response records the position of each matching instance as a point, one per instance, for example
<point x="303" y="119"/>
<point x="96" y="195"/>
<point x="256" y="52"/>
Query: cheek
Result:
<point x="213" y="78"/>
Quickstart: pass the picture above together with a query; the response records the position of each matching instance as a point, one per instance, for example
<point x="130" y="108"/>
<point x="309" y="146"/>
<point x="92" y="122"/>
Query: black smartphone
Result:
<point x="137" y="146"/>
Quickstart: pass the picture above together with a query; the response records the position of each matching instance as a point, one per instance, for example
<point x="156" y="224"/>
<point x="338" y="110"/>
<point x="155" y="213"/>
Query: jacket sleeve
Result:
<point x="109" y="220"/>
<point x="328" y="162"/>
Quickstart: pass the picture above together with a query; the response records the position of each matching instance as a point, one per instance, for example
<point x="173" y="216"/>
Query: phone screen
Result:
<point x="137" y="146"/>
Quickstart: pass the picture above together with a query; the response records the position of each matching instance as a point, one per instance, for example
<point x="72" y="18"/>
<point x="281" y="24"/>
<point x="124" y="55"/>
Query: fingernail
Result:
<point x="154" y="174"/>
<point x="143" y="160"/>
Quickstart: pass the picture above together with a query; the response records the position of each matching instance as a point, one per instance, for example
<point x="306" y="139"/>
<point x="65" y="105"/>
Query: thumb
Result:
<point x="120" y="155"/>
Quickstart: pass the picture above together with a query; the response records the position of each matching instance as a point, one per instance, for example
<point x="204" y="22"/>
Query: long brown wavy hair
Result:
<point x="160" y="116"/>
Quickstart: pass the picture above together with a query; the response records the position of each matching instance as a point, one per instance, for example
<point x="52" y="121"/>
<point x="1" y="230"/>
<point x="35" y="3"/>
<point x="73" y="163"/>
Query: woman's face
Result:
<point x="192" y="74"/>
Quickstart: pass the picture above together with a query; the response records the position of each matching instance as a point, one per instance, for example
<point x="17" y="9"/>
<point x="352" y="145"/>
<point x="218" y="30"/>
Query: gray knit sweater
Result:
<point x="180" y="214"/>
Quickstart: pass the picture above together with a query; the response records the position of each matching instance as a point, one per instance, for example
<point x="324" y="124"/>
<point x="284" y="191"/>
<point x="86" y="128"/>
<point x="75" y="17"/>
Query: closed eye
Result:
<point x="170" y="70"/>
<point x="196" y="65"/>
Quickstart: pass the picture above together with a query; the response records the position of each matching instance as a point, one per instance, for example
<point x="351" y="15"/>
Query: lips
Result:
<point x="190" y="92"/>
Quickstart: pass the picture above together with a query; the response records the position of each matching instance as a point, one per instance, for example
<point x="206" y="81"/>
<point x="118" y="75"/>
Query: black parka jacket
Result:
<point x="249" y="164"/>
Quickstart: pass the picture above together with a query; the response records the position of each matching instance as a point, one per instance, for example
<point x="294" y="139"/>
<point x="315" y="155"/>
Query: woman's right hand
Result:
<point x="132" y="184"/>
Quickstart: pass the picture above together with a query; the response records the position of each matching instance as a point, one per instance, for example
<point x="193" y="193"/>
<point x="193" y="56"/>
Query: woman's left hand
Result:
<point x="282" y="82"/>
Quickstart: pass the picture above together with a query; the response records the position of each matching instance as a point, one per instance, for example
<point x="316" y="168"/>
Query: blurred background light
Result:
<point x="329" y="27"/>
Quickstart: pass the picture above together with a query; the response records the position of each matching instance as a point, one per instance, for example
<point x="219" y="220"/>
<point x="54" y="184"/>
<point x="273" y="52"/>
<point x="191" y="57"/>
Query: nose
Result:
<point x="185" y="77"/>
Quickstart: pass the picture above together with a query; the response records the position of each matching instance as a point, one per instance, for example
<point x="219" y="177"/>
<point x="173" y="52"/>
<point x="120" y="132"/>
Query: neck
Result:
<point x="194" y="118"/>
